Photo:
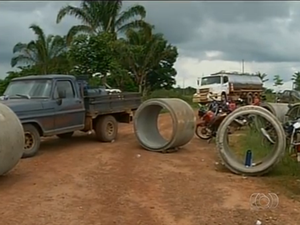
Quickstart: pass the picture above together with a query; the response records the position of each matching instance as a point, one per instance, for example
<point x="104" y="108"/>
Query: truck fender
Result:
<point x="36" y="124"/>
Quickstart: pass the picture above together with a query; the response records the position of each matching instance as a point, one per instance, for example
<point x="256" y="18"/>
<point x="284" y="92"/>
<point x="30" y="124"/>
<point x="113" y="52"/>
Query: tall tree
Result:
<point x="43" y="52"/>
<point x="277" y="80"/>
<point x="296" y="80"/>
<point x="99" y="16"/>
<point x="93" y="54"/>
<point x="262" y="76"/>
<point x="148" y="57"/>
<point x="23" y="71"/>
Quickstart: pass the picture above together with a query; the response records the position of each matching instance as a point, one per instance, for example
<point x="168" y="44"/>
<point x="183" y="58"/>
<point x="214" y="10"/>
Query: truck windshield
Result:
<point x="211" y="80"/>
<point x="29" y="88"/>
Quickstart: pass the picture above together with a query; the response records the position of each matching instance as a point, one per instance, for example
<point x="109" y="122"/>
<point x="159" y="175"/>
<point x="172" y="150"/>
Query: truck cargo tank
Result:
<point x="146" y="129"/>
<point x="11" y="139"/>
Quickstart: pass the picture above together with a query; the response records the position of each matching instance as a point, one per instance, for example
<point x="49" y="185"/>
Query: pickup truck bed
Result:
<point x="113" y="103"/>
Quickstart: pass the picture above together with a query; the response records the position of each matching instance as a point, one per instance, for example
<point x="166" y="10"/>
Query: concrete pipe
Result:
<point x="293" y="113"/>
<point x="277" y="109"/>
<point x="231" y="161"/>
<point x="146" y="129"/>
<point x="11" y="139"/>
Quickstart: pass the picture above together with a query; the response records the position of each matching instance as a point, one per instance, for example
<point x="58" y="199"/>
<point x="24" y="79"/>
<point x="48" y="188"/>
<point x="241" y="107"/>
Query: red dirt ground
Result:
<point x="83" y="182"/>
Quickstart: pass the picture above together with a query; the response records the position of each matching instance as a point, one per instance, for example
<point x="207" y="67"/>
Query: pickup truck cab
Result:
<point x="59" y="105"/>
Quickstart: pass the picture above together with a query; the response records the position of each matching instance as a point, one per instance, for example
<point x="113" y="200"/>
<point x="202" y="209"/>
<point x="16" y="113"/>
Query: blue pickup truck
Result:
<point x="59" y="105"/>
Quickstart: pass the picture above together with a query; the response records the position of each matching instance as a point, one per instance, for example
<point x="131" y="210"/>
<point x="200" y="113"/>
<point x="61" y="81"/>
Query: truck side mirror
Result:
<point x="62" y="94"/>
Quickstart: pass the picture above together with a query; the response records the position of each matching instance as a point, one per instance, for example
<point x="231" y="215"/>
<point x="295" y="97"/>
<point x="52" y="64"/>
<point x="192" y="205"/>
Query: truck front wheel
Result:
<point x="106" y="128"/>
<point x="249" y="99"/>
<point x="32" y="140"/>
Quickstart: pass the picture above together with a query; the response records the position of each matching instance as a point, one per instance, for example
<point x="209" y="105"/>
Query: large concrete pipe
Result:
<point x="294" y="112"/>
<point x="11" y="139"/>
<point x="146" y="129"/>
<point x="229" y="158"/>
<point x="277" y="109"/>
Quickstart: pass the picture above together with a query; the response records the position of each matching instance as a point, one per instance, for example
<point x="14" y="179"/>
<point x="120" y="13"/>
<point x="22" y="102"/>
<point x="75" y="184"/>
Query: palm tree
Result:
<point x="43" y="52"/>
<point x="99" y="16"/>
<point x="142" y="51"/>
<point x="296" y="81"/>
<point x="262" y="76"/>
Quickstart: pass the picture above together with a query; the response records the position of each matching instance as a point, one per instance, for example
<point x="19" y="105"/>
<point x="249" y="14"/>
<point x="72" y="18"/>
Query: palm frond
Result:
<point x="77" y="12"/>
<point x="132" y="12"/>
<point x="21" y="59"/>
<point x="77" y="30"/>
<point x="136" y="24"/>
<point x="19" y="47"/>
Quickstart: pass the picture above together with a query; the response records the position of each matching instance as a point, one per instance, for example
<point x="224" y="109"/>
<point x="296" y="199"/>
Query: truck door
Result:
<point x="225" y="84"/>
<point x="69" y="110"/>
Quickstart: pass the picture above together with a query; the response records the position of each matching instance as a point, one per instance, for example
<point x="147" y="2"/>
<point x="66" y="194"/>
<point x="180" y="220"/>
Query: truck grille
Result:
<point x="204" y="90"/>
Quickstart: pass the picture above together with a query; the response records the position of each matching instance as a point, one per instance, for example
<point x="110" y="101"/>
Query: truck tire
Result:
<point x="224" y="97"/>
<point x="65" y="135"/>
<point x="32" y="141"/>
<point x="249" y="99"/>
<point x="106" y="128"/>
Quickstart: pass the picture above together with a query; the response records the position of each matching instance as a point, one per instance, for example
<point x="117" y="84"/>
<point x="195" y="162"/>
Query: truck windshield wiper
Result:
<point x="22" y="95"/>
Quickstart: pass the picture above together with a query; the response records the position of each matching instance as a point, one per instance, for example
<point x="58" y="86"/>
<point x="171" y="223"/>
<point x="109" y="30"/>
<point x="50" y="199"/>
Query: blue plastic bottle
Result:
<point x="248" y="160"/>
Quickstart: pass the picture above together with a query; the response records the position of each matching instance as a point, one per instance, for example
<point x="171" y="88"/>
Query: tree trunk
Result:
<point x="103" y="80"/>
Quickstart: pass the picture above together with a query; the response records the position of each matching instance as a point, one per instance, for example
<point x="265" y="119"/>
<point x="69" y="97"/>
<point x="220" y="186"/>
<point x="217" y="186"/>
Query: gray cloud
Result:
<point x="254" y="31"/>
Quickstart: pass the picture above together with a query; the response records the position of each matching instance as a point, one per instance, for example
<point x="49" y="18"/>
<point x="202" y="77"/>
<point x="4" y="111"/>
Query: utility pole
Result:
<point x="243" y="66"/>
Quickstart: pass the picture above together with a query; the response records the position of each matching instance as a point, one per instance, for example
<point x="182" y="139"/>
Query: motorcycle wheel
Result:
<point x="203" y="135"/>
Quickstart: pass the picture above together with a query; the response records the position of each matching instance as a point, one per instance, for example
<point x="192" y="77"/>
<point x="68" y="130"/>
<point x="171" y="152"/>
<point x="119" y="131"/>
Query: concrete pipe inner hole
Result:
<point x="257" y="134"/>
<point x="155" y="126"/>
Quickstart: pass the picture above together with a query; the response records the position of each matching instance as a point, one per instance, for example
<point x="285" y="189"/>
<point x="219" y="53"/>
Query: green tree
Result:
<point x="163" y="74"/>
<point x="149" y="58"/>
<point x="23" y="71"/>
<point x="296" y="80"/>
<point x="93" y="54"/>
<point x="262" y="76"/>
<point x="99" y="16"/>
<point x="43" y="52"/>
<point x="277" y="81"/>
<point x="123" y="80"/>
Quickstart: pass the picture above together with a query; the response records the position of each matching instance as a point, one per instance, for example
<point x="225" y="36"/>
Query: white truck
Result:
<point x="224" y="85"/>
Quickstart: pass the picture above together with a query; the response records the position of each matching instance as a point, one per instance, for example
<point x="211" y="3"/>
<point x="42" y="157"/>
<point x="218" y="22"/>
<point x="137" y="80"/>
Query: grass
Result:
<point x="285" y="177"/>
<point x="249" y="139"/>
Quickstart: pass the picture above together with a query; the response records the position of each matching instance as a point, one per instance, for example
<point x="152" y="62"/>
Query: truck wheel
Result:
<point x="106" y="128"/>
<point x="224" y="97"/>
<point x="249" y="99"/>
<point x="32" y="140"/>
<point x="65" y="135"/>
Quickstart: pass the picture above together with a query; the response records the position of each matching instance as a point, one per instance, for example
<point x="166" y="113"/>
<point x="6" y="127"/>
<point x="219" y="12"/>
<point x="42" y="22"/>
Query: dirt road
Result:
<point x="82" y="182"/>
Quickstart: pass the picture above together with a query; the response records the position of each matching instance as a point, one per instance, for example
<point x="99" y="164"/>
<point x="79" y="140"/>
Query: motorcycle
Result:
<point x="211" y="117"/>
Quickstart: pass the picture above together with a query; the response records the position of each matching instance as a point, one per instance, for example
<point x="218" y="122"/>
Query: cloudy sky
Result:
<point x="210" y="36"/>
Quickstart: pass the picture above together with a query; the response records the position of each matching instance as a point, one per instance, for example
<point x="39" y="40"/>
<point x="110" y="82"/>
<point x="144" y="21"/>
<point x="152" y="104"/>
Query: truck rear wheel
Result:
<point x="106" y="128"/>
<point x="32" y="140"/>
<point x="65" y="135"/>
